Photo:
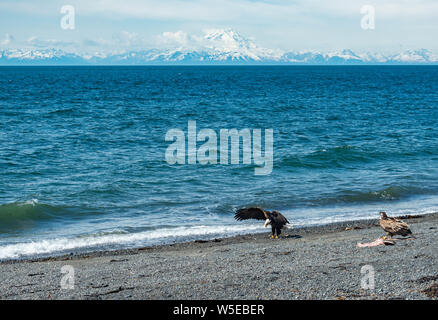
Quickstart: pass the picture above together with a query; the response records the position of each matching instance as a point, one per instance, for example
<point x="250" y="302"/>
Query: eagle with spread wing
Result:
<point x="394" y="226"/>
<point x="274" y="218"/>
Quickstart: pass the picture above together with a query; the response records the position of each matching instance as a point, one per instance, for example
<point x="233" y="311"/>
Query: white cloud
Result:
<point x="179" y="39"/>
<point x="8" y="39"/>
<point x="296" y="24"/>
<point x="96" y="42"/>
<point x="226" y="10"/>
<point x="44" y="43"/>
<point x="126" y="38"/>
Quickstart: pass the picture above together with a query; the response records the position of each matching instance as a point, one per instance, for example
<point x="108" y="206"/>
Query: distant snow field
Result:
<point x="215" y="47"/>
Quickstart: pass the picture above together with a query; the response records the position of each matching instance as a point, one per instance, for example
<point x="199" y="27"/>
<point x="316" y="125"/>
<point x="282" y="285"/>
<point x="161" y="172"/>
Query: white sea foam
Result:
<point x="32" y="202"/>
<point x="60" y="245"/>
<point x="299" y="217"/>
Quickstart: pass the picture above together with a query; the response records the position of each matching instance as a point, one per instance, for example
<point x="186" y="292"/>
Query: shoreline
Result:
<point x="311" y="229"/>
<point x="317" y="262"/>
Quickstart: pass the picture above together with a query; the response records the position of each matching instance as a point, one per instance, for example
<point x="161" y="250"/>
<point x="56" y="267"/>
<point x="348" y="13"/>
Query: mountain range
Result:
<point x="216" y="47"/>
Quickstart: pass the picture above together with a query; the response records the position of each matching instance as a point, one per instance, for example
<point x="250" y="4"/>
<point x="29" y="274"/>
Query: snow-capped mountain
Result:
<point x="347" y="56"/>
<point x="228" y="45"/>
<point x="214" y="47"/>
<point x="35" y="57"/>
<point x="415" y="56"/>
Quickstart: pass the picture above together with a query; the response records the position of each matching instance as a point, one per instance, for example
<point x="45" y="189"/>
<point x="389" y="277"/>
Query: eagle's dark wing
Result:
<point x="280" y="219"/>
<point x="250" y="213"/>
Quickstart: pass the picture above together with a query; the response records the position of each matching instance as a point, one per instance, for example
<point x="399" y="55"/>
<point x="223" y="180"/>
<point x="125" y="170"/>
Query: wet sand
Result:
<point x="308" y="263"/>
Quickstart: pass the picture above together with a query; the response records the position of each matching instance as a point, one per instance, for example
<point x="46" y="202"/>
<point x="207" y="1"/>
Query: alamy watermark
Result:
<point x="367" y="282"/>
<point x="229" y="140"/>
<point x="368" y="20"/>
<point x="68" y="280"/>
<point x="68" y="20"/>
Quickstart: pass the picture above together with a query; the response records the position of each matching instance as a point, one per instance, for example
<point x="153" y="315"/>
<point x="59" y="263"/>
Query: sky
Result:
<point x="289" y="25"/>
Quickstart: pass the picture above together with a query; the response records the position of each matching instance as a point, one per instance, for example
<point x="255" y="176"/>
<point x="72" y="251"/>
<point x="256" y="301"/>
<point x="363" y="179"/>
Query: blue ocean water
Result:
<point x="82" y="151"/>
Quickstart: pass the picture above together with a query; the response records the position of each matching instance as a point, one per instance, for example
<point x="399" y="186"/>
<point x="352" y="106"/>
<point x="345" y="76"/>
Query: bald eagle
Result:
<point x="274" y="218"/>
<point x="394" y="226"/>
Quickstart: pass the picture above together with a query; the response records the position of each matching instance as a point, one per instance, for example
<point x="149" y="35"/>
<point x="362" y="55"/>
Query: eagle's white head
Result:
<point x="267" y="222"/>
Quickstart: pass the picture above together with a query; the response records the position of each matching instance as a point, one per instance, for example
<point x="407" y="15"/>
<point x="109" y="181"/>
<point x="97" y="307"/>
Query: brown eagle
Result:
<point x="394" y="226"/>
<point x="274" y="218"/>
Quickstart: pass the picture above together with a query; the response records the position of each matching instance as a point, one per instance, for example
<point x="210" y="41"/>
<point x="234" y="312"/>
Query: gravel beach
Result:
<point x="321" y="262"/>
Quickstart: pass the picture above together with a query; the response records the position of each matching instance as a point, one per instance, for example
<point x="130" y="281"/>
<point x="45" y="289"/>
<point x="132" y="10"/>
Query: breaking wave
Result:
<point x="17" y="214"/>
<point x="120" y="240"/>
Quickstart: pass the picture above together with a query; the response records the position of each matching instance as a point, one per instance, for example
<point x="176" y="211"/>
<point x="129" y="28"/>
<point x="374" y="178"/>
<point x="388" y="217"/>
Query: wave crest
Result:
<point x="327" y="157"/>
<point x="387" y="194"/>
<point x="23" y="214"/>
